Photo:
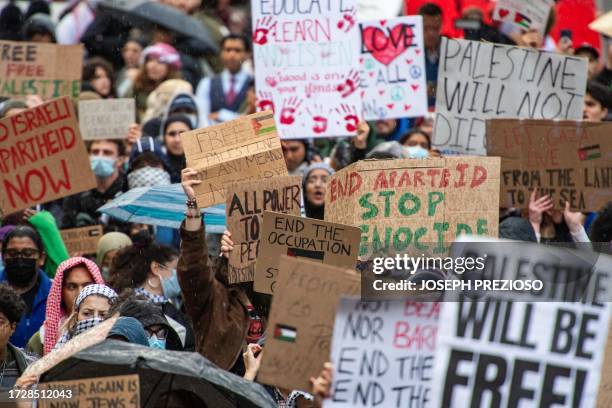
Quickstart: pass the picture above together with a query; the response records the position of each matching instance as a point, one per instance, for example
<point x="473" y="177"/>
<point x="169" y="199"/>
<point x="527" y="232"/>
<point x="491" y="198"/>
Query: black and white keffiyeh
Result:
<point x="148" y="177"/>
<point x="157" y="299"/>
<point x="95" y="289"/>
<point x="79" y="328"/>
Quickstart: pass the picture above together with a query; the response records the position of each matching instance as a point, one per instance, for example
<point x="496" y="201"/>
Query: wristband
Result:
<point x="192" y="203"/>
<point x="191" y="215"/>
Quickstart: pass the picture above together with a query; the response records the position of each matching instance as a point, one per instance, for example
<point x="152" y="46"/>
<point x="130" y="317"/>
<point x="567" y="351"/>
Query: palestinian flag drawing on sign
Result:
<point x="285" y="333"/>
<point x="589" y="152"/>
<point x="522" y="20"/>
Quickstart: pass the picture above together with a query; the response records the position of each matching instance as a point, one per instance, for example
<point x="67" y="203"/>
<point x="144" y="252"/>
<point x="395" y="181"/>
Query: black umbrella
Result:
<point x="151" y="12"/>
<point x="162" y="371"/>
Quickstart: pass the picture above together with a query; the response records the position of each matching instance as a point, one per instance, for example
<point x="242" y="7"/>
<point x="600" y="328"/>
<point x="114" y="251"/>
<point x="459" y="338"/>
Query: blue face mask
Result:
<point x="156" y="343"/>
<point x="102" y="167"/>
<point x="171" y="288"/>
<point x="417" y="152"/>
<point x="105" y="272"/>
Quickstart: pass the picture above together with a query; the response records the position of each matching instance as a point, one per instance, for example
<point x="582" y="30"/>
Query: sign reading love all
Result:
<point x="393" y="62"/>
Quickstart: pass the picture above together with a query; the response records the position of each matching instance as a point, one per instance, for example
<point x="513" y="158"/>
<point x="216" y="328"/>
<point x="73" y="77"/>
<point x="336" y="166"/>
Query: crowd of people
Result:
<point x="171" y="285"/>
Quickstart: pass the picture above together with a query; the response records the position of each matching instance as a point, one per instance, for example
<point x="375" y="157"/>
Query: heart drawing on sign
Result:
<point x="387" y="44"/>
<point x="503" y="13"/>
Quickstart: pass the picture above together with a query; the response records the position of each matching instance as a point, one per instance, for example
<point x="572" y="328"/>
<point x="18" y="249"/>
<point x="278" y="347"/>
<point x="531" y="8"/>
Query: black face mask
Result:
<point x="20" y="271"/>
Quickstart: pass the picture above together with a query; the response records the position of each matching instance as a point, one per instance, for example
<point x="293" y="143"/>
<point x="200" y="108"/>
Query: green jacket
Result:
<point x="45" y="224"/>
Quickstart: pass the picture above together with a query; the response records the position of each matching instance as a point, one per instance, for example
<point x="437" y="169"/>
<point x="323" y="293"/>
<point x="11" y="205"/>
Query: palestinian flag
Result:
<point x="589" y="152"/>
<point x="258" y="125"/>
<point x="285" y="333"/>
<point x="522" y="20"/>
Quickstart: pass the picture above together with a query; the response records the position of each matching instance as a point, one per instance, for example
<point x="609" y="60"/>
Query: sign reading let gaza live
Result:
<point x="416" y="204"/>
<point x="42" y="156"/>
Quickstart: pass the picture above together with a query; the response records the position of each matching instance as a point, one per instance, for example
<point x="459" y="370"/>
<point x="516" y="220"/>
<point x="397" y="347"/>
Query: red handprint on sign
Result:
<point x="262" y="29"/>
<point x="350" y="84"/>
<point x="349" y="114"/>
<point x="264" y="101"/>
<point x="348" y="20"/>
<point x="290" y="106"/>
<point x="319" y="122"/>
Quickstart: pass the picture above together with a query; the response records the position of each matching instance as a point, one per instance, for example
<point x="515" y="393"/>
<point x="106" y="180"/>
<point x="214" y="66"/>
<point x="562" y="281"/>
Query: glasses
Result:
<point x="16" y="253"/>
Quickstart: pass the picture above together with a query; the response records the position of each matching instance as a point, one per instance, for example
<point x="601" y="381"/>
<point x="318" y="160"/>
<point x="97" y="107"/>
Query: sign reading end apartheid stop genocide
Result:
<point x="479" y="81"/>
<point x="115" y="391"/>
<point x="42" y="156"/>
<point x="106" y="118"/>
<point x="243" y="149"/>
<point x="246" y="203"/>
<point x="570" y="161"/>
<point x="47" y="70"/>
<point x="301" y="320"/>
<point x="393" y="62"/>
<point x="383" y="354"/>
<point x="284" y="234"/>
<point x="420" y="204"/>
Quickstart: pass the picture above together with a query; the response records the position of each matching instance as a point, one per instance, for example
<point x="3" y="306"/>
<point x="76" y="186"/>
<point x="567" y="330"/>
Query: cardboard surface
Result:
<point x="47" y="70"/>
<point x="393" y="63"/>
<point x="604" y="395"/>
<point x="571" y="161"/>
<point x="82" y="240"/>
<point x="301" y="321"/>
<point x="42" y="156"/>
<point x="415" y="204"/>
<point x="119" y="391"/>
<point x="524" y="14"/>
<point x="245" y="149"/>
<point x="246" y="203"/>
<point x="328" y="243"/>
<point x="479" y="81"/>
<point x="106" y="118"/>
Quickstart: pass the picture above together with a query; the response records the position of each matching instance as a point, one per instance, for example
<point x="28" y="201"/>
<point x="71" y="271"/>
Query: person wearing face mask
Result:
<point x="82" y="209"/>
<point x="23" y="257"/>
<point x="90" y="309"/>
<point x="418" y="144"/>
<point x="173" y="145"/>
<point x="314" y="184"/>
<point x="72" y="276"/>
<point x="150" y="269"/>
<point x="107" y="249"/>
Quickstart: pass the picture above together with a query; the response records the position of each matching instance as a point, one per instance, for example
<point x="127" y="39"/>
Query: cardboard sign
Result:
<point x="479" y="81"/>
<point x="418" y="204"/>
<point x="393" y="62"/>
<point x="106" y="118"/>
<point x="307" y="66"/>
<point x="113" y="391"/>
<point x="283" y="234"/>
<point x="524" y="15"/>
<point x="604" y="396"/>
<point x="47" y="70"/>
<point x="571" y="161"/>
<point x="301" y="321"/>
<point x="82" y="240"/>
<point x="383" y="354"/>
<point x="42" y="156"/>
<point x="245" y="149"/>
<point x="246" y="203"/>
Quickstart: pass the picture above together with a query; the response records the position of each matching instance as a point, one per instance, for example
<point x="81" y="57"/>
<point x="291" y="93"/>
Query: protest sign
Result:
<point x="415" y="204"/>
<point x="42" y="156"/>
<point x="570" y="161"/>
<point x="245" y="149"/>
<point x="307" y="66"/>
<point x="114" y="391"/>
<point x="82" y="240"/>
<point x="301" y="321"/>
<point x="246" y="203"/>
<point x="383" y="354"/>
<point x="524" y="15"/>
<point x="284" y="234"/>
<point x="604" y="396"/>
<point x="393" y="62"/>
<point x="47" y="70"/>
<point x="106" y="118"/>
<point x="479" y="81"/>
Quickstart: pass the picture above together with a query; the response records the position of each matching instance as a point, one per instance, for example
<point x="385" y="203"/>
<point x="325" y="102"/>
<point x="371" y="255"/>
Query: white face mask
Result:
<point x="417" y="152"/>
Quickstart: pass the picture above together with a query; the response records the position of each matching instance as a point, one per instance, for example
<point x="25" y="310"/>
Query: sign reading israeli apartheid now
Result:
<point x="47" y="70"/>
<point x="479" y="81"/>
<point x="570" y="161"/>
<point x="307" y="68"/>
<point x="106" y="118"/>
<point x="393" y="62"/>
<point x="418" y="204"/>
<point x="283" y="234"/>
<point x="246" y="203"/>
<point x="243" y="149"/>
<point x="383" y="354"/>
<point x="301" y="320"/>
<point x="42" y="156"/>
<point x="524" y="15"/>
<point x="114" y="391"/>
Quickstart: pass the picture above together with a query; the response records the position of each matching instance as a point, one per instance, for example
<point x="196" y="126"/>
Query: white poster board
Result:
<point x="524" y="14"/>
